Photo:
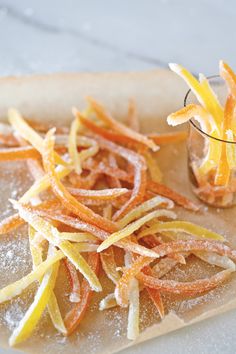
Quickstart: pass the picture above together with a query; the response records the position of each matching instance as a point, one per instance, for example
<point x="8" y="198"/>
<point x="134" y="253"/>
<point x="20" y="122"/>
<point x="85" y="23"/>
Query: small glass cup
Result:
<point x="198" y="143"/>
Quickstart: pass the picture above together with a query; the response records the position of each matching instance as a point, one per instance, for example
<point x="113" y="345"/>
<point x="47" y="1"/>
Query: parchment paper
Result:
<point x="50" y="98"/>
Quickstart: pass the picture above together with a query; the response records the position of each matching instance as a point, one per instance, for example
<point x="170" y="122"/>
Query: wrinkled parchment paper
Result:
<point x="50" y="98"/>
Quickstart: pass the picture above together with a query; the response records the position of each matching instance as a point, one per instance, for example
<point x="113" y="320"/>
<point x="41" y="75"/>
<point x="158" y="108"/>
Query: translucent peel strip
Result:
<point x="169" y="138"/>
<point x="223" y="171"/>
<point x="153" y="168"/>
<point x="134" y="226"/>
<point x="229" y="76"/>
<point x="231" y="150"/>
<point x="133" y="315"/>
<point x="167" y="192"/>
<point x="109" y="264"/>
<point x="18" y="153"/>
<point x="101" y="194"/>
<point x="132" y="116"/>
<point x="196" y="287"/>
<point x="72" y="146"/>
<point x="143" y="208"/>
<point x="182" y="226"/>
<point x="34" y="312"/>
<point x="78" y="236"/>
<point x="75" y="294"/>
<point x="155" y="295"/>
<point x="215" y="259"/>
<point x="75" y="316"/>
<point x="189" y="112"/>
<point x="10" y="223"/>
<point x="16" y="288"/>
<point x="108" y="302"/>
<point x="55" y="314"/>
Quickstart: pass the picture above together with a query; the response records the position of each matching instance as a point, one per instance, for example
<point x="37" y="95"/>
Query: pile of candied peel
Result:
<point x="104" y="197"/>
<point x="215" y="170"/>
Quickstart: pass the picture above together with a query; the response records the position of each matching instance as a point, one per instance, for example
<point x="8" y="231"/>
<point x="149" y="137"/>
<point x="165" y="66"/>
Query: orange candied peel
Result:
<point x="98" y="206"/>
<point x="216" y="167"/>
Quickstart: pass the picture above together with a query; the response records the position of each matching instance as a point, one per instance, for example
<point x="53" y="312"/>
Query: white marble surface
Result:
<point x="75" y="35"/>
<point x="104" y="35"/>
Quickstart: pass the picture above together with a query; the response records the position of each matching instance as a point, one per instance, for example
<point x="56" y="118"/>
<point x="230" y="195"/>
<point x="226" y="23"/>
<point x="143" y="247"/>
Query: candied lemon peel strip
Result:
<point x="129" y="229"/>
<point x="182" y="226"/>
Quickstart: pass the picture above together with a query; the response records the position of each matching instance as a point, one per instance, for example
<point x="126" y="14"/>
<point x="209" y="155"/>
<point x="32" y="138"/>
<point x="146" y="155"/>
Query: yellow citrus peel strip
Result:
<point x="134" y="226"/>
<point x="182" y="226"/>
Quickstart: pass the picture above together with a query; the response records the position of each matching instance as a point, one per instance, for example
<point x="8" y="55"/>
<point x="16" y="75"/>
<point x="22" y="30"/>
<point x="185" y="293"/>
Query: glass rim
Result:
<point x="191" y="121"/>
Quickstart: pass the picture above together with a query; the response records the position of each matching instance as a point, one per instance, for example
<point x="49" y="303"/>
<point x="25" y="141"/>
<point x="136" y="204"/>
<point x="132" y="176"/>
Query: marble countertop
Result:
<point x="74" y="35"/>
<point x="106" y="35"/>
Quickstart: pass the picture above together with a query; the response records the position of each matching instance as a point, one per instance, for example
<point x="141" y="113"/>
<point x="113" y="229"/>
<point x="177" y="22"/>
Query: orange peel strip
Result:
<point x="155" y="295"/>
<point x="132" y="117"/>
<point x="203" y="94"/>
<point x="139" y="181"/>
<point x="108" y="134"/>
<point x="165" y="249"/>
<point x="196" y="287"/>
<point x="119" y="127"/>
<point x="109" y="264"/>
<point x="19" y="153"/>
<point x="223" y="170"/>
<point x="169" y="138"/>
<point x="189" y="112"/>
<point x="10" y="223"/>
<point x="75" y="316"/>
<point x="107" y="302"/>
<point x="165" y="191"/>
<point x="101" y="194"/>
<point x="74" y="281"/>
<point x="229" y="76"/>
<point x="72" y="146"/>
<point x="113" y="182"/>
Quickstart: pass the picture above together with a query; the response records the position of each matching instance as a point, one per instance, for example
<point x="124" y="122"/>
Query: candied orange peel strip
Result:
<point x="223" y="171"/>
<point x="132" y="116"/>
<point x="169" y="138"/>
<point x="119" y="127"/>
<point x="162" y="250"/>
<point x="218" y="162"/>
